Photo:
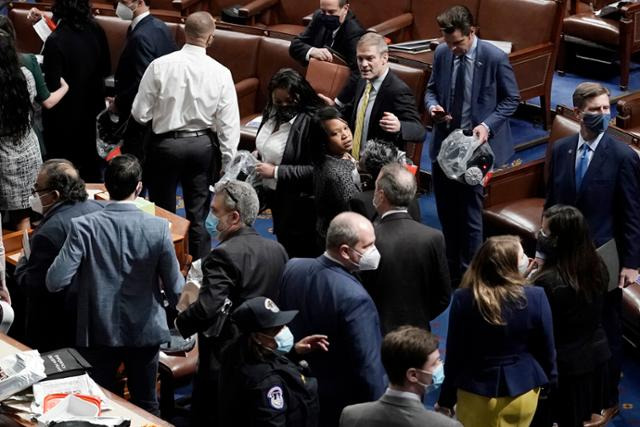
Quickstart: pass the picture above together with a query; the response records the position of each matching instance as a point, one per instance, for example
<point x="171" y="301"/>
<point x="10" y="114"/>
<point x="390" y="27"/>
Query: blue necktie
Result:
<point x="583" y="164"/>
<point x="458" y="94"/>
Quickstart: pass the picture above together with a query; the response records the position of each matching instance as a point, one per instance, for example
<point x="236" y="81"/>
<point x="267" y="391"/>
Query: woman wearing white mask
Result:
<point x="500" y="348"/>
<point x="260" y="385"/>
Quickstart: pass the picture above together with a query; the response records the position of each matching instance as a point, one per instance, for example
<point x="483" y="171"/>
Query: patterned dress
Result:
<point x="19" y="163"/>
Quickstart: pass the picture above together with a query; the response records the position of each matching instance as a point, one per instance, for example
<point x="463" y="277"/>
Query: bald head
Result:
<point x="199" y="29"/>
<point x="398" y="187"/>
<point x="349" y="236"/>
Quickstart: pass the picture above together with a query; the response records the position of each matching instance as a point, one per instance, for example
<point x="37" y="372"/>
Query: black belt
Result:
<point x="185" y="133"/>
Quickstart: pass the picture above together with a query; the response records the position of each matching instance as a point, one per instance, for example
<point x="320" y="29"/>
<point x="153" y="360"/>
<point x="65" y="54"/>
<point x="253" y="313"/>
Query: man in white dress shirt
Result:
<point x="411" y="358"/>
<point x="191" y="100"/>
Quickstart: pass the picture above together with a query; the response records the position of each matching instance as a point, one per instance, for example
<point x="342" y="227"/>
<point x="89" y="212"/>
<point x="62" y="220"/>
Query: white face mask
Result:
<point x="523" y="264"/>
<point x="36" y="204"/>
<point x="369" y="260"/>
<point x="124" y="12"/>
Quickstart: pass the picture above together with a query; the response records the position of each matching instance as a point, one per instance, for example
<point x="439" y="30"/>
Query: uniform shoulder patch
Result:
<point x="275" y="397"/>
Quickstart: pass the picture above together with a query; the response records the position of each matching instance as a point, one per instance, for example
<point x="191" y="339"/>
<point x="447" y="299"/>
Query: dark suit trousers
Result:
<point x="141" y="368"/>
<point x="192" y="162"/>
<point x="460" y="212"/>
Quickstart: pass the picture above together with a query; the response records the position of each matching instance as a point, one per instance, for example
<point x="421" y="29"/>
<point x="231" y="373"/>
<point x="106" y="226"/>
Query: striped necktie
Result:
<point x="362" y="110"/>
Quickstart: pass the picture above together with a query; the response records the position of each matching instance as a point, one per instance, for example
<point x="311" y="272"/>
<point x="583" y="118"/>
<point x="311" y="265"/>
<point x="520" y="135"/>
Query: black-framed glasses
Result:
<point x="35" y="190"/>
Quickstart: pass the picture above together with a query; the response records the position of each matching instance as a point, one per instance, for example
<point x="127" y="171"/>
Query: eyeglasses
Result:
<point x="35" y="190"/>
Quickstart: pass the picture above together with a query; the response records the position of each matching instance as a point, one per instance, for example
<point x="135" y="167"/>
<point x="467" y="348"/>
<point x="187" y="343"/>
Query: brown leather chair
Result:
<point x="174" y="370"/>
<point x="392" y="19"/>
<point x="514" y="197"/>
<point x="628" y="118"/>
<point x="619" y="35"/>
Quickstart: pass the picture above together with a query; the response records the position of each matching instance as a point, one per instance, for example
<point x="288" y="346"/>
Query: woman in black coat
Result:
<point x="574" y="279"/>
<point x="283" y="145"/>
<point x="78" y="51"/>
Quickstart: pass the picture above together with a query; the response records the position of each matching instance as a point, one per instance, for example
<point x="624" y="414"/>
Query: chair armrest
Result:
<point x="256" y="7"/>
<point x="515" y="183"/>
<point x="630" y="10"/>
<point x="530" y="52"/>
<point x="184" y="4"/>
<point x="307" y="20"/>
<point x="394" y="24"/>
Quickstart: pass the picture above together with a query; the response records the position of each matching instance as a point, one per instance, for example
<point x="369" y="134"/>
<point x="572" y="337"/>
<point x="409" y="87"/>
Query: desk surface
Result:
<point x="121" y="407"/>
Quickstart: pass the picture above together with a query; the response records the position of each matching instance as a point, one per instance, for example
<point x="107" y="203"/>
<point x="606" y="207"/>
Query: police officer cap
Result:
<point x="261" y="313"/>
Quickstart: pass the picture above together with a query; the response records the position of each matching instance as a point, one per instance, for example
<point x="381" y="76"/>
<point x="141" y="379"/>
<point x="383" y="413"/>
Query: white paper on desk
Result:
<point x="19" y="371"/>
<point x="26" y="246"/>
<point x="79" y="384"/>
<point x="42" y="29"/>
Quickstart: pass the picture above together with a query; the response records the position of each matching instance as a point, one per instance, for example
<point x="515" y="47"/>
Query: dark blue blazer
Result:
<point x="494" y="96"/>
<point x="498" y="361"/>
<point x="609" y="197"/>
<point x="332" y="301"/>
<point x="149" y="40"/>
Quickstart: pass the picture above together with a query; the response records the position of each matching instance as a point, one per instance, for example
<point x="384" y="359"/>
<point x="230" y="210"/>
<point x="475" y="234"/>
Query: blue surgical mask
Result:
<point x="596" y="122"/>
<point x="284" y="340"/>
<point x="437" y="378"/>
<point x="211" y="225"/>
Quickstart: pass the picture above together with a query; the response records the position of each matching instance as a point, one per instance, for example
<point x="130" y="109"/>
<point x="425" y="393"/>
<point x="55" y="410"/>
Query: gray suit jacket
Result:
<point x="392" y="411"/>
<point x="114" y="260"/>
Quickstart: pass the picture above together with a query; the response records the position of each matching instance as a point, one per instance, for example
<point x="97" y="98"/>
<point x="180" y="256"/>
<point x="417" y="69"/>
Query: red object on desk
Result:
<point x="51" y="400"/>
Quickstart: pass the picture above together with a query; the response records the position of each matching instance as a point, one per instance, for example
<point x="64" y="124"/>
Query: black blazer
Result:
<point x="362" y="203"/>
<point x="149" y="40"/>
<point x="244" y="266"/>
<point x="411" y="285"/>
<point x="395" y="97"/>
<point x="41" y="305"/>
<point x="609" y="197"/>
<point x="292" y="204"/>
<point x="344" y="43"/>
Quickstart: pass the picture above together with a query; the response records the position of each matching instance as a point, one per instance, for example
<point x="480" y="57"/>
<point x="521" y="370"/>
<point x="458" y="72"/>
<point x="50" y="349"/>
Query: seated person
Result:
<point x="333" y="29"/>
<point x="374" y="156"/>
<point x="336" y="177"/>
<point x="412" y="361"/>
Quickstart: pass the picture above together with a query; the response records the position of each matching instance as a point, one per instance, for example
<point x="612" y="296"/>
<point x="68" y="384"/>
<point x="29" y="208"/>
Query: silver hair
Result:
<point x="398" y="185"/>
<point x="246" y="200"/>
<point x="373" y="39"/>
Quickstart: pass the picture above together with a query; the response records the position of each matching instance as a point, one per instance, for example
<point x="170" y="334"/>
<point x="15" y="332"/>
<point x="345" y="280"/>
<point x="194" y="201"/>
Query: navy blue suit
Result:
<point x="331" y="301"/>
<point x="494" y="97"/>
<point x="609" y="199"/>
<point x="498" y="361"/>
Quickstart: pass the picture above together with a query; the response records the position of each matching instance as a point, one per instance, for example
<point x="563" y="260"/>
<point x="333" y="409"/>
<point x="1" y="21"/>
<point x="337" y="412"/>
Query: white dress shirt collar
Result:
<point x="393" y="211"/>
<point x="593" y="144"/>
<point x="377" y="82"/>
<point x="138" y="18"/>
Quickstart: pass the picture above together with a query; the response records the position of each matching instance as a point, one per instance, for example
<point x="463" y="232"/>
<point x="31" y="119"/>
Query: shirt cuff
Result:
<point x="486" y="127"/>
<point x="338" y="103"/>
<point x="308" y="55"/>
<point x="275" y="173"/>
<point x="541" y="255"/>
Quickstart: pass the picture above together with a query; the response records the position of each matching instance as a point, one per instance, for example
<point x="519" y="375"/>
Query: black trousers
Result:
<point x="141" y="367"/>
<point x="460" y="211"/>
<point x="193" y="162"/>
<point x="612" y="324"/>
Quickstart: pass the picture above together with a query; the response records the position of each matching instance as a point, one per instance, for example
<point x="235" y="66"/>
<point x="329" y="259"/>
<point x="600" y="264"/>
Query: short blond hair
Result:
<point x="373" y="39"/>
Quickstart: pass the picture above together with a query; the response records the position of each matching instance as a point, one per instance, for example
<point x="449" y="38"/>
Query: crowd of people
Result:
<point x="330" y="324"/>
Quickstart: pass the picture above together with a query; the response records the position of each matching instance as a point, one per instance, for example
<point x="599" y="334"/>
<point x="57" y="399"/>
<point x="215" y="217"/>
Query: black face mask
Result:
<point x="546" y="245"/>
<point x="286" y="113"/>
<point x="330" y="22"/>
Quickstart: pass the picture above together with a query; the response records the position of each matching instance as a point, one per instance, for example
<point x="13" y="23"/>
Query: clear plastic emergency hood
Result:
<point x="465" y="159"/>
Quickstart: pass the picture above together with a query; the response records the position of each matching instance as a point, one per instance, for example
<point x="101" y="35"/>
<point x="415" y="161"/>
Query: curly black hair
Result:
<point x="63" y="177"/>
<point x="74" y="13"/>
<point x="305" y="97"/>
<point x="15" y="103"/>
<point x="318" y="133"/>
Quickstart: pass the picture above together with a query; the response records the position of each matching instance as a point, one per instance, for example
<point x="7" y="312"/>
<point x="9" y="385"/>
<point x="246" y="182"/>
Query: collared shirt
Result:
<point x="189" y="90"/>
<point x="271" y="146"/>
<point x="375" y="87"/>
<point x="402" y="394"/>
<point x="138" y="18"/>
<point x="591" y="144"/>
<point x="393" y="211"/>
<point x="465" y="122"/>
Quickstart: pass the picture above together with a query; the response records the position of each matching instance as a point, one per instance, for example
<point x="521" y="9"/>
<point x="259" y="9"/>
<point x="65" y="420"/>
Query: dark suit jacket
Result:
<point x="243" y="266"/>
<point x="42" y="306"/>
<point x="118" y="259"/>
<point x="292" y="204"/>
<point x="609" y="197"/>
<point x="331" y="301"/>
<point x="394" y="96"/>
<point x="498" y="361"/>
<point x="149" y="40"/>
<point x="392" y="411"/>
<point x="82" y="58"/>
<point x="411" y="286"/>
<point x="344" y="43"/>
<point x="494" y="96"/>
<point x="362" y="203"/>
